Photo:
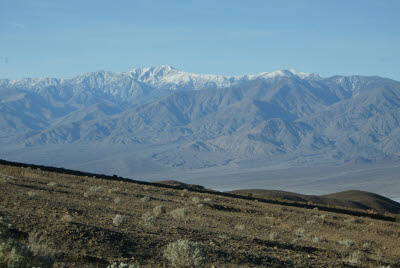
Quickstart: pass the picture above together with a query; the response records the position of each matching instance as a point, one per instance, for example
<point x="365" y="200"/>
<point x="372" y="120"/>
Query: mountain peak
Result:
<point x="152" y="73"/>
<point x="159" y="68"/>
<point x="289" y="73"/>
<point x="169" y="73"/>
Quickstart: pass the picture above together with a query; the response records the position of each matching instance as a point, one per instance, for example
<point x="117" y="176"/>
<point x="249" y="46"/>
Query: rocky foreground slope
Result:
<point x="88" y="220"/>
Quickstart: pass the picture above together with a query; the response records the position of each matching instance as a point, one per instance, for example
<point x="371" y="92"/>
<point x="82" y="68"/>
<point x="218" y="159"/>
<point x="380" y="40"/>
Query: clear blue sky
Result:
<point x="64" y="38"/>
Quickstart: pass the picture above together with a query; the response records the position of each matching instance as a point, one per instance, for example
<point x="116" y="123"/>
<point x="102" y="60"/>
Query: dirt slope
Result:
<point x="72" y="218"/>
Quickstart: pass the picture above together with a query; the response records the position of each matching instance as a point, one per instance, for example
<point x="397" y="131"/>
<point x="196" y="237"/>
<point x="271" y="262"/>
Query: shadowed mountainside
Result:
<point x="181" y="185"/>
<point x="284" y="116"/>
<point x="347" y="199"/>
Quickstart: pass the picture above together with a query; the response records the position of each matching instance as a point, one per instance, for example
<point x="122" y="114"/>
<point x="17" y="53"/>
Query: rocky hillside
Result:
<point x="348" y="199"/>
<point x="59" y="219"/>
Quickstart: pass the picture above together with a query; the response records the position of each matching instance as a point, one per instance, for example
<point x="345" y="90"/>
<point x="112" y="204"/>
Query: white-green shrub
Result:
<point x="356" y="257"/>
<point x="196" y="200"/>
<point x="117" y="200"/>
<point x="180" y="214"/>
<point x="346" y="242"/>
<point x="184" y="253"/>
<point x="96" y="188"/>
<point x="300" y="232"/>
<point x="240" y="227"/>
<point x="147" y="219"/>
<point x="158" y="210"/>
<point x="273" y="236"/>
<point x="14" y="254"/>
<point x="122" y="265"/>
<point x="145" y="199"/>
<point x="118" y="220"/>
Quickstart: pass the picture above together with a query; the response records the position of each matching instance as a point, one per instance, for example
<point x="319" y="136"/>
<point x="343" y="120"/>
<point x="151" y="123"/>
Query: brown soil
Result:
<point x="75" y="216"/>
<point x="349" y="199"/>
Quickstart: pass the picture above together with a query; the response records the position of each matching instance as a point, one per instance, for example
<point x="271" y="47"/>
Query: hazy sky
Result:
<point x="64" y="38"/>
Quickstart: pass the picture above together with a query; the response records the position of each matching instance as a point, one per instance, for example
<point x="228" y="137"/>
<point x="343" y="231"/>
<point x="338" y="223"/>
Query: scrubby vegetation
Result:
<point x="15" y="254"/>
<point x="148" y="219"/>
<point x="180" y="214"/>
<point x="118" y="220"/>
<point x="127" y="224"/>
<point x="184" y="253"/>
<point x="122" y="265"/>
<point x="158" y="210"/>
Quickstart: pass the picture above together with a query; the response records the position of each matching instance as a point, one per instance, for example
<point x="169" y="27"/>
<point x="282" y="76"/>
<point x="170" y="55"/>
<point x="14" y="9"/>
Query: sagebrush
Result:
<point x="184" y="253"/>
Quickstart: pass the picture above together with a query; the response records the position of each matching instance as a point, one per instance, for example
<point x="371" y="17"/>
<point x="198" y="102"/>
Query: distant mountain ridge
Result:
<point x="128" y="86"/>
<point x="278" y="116"/>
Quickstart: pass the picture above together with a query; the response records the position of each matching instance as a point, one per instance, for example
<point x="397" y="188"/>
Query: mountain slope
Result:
<point x="350" y="199"/>
<point x="283" y="115"/>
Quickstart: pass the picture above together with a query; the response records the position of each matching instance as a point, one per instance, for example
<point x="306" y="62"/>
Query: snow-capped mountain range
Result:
<point x="285" y="115"/>
<point x="133" y="86"/>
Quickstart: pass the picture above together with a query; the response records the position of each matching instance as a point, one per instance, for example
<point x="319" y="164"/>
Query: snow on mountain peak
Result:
<point x="304" y="75"/>
<point x="166" y="76"/>
<point x="288" y="73"/>
<point x="168" y="70"/>
<point x="153" y="69"/>
<point x="158" y="77"/>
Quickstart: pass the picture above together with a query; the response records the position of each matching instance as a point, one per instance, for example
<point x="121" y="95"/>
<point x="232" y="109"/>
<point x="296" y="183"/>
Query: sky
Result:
<point x="52" y="38"/>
